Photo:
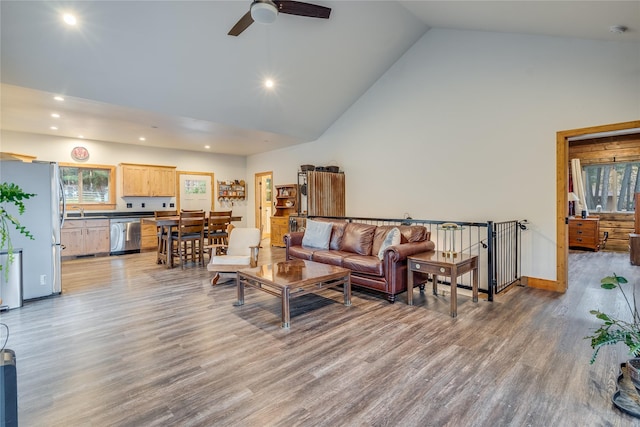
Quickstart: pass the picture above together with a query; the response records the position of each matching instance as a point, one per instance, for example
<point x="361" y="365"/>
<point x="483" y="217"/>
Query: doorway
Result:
<point x="562" y="200"/>
<point x="195" y="190"/>
<point x="264" y="203"/>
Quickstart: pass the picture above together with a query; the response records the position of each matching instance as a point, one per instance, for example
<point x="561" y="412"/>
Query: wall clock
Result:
<point x="80" y="153"/>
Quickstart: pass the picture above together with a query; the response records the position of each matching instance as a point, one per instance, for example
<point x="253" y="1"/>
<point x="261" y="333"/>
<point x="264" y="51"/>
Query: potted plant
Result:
<point x="11" y="193"/>
<point x="615" y="330"/>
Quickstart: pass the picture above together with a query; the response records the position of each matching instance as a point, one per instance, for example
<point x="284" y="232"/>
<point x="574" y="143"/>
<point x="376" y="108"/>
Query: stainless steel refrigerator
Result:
<point x="42" y="217"/>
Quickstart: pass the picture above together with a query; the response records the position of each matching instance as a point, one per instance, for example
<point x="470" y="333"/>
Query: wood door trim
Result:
<point x="562" y="202"/>
<point x="256" y="181"/>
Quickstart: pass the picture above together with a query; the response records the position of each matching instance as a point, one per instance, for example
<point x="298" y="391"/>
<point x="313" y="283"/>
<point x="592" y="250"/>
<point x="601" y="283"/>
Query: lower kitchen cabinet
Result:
<point x="85" y="237"/>
<point x="148" y="237"/>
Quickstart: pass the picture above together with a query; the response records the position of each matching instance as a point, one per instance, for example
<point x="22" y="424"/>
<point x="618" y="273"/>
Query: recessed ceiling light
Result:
<point x="53" y="128"/>
<point x="58" y="98"/>
<point x="142" y="138"/>
<point x="55" y="115"/>
<point x="268" y="83"/>
<point x="207" y="147"/>
<point x="81" y="136"/>
<point x="69" y="19"/>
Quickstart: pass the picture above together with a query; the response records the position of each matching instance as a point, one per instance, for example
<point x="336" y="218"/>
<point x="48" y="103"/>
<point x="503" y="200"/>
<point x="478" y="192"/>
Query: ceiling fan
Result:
<point x="266" y="11"/>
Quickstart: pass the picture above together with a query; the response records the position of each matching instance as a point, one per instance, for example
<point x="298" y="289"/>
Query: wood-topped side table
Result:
<point x="439" y="263"/>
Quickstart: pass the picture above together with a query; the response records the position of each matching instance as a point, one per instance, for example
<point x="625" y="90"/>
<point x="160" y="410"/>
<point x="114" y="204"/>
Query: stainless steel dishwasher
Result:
<point x="125" y="235"/>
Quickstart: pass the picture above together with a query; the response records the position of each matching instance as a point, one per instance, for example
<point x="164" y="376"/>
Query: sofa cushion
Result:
<point x="367" y="264"/>
<point x="317" y="234"/>
<point x="413" y="233"/>
<point x="379" y="236"/>
<point x="302" y="253"/>
<point x="358" y="238"/>
<point x="330" y="257"/>
<point x="392" y="239"/>
<point x="336" y="233"/>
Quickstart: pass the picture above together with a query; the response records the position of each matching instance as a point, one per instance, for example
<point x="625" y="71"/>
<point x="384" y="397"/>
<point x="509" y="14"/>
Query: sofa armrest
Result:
<point x="292" y="239"/>
<point x="401" y="252"/>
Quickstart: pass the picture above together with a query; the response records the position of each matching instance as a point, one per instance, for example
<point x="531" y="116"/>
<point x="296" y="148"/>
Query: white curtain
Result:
<point x="578" y="186"/>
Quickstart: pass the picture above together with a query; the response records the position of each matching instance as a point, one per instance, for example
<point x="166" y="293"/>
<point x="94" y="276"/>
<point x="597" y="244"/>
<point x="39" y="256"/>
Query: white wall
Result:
<point x="463" y="127"/>
<point x="49" y="148"/>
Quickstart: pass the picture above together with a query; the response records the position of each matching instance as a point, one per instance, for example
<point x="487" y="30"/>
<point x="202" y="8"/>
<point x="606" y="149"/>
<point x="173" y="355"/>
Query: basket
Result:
<point x="306" y="168"/>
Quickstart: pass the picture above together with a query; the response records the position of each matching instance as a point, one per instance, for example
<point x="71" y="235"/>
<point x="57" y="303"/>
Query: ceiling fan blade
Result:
<point x="241" y="25"/>
<point x="303" y="9"/>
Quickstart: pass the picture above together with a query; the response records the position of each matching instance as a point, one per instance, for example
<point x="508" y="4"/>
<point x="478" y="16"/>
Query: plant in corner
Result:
<point x="615" y="330"/>
<point x="11" y="193"/>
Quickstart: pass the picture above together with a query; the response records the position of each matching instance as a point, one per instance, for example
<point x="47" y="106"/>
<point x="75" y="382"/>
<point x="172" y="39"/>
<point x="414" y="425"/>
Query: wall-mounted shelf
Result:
<point x="231" y="190"/>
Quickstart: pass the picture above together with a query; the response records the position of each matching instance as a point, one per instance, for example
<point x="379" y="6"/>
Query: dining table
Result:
<point x="166" y="224"/>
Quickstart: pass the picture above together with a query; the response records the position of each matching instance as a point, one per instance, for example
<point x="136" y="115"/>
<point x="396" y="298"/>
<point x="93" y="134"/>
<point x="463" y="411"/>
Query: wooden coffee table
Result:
<point x="291" y="279"/>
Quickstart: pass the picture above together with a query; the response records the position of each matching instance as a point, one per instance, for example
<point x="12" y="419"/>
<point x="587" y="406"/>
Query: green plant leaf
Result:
<point x="12" y="194"/>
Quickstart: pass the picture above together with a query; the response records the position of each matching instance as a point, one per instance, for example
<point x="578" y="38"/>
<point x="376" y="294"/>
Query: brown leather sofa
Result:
<point x="355" y="246"/>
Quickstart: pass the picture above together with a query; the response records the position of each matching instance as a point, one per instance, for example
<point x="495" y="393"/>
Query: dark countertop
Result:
<point x="89" y="215"/>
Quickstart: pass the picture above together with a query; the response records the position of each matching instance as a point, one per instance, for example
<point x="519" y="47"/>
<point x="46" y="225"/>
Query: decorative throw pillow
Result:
<point x="317" y="234"/>
<point x="393" y="238"/>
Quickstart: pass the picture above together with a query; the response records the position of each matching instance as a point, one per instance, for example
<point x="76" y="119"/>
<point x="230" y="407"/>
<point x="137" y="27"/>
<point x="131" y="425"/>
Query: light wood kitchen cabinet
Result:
<point x="85" y="237"/>
<point x="279" y="227"/>
<point x="135" y="180"/>
<point x="148" y="180"/>
<point x="148" y="236"/>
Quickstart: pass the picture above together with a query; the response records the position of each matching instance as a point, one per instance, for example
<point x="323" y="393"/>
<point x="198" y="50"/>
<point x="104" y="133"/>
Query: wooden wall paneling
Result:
<point x="326" y="194"/>
<point x="637" y="215"/>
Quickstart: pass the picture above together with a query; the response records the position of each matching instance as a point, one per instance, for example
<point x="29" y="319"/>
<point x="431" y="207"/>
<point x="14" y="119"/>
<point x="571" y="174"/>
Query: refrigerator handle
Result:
<point x="63" y="198"/>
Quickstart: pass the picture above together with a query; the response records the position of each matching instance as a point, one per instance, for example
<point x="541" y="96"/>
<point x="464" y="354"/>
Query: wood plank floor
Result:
<point x="130" y="343"/>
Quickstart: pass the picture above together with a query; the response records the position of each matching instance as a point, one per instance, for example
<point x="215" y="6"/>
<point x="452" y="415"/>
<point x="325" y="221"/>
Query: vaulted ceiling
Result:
<point x="167" y="70"/>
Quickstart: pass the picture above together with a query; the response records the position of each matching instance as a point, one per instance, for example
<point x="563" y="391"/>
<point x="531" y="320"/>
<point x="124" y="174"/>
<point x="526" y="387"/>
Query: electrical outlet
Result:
<point x="172" y="205"/>
<point x="43" y="279"/>
<point x="142" y="205"/>
<point x="129" y="205"/>
<point x="164" y="205"/>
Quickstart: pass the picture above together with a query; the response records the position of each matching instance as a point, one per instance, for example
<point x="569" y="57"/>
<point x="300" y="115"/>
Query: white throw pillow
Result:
<point x="317" y="234"/>
<point x="392" y="239"/>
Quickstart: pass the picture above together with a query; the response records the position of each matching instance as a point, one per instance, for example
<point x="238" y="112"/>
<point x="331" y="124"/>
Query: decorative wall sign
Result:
<point x="80" y="153"/>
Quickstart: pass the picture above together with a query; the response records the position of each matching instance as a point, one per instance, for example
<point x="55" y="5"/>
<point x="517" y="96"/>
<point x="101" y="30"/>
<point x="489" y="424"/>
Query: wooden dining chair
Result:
<point x="217" y="228"/>
<point x="162" y="250"/>
<point x="189" y="238"/>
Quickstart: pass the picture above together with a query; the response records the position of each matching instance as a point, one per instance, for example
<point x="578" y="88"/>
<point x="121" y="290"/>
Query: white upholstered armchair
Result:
<point x="241" y="252"/>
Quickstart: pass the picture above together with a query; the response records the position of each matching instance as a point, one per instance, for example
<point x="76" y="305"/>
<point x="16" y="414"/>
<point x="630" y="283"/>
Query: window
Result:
<point x="195" y="186"/>
<point x="88" y="184"/>
<point x="610" y="187"/>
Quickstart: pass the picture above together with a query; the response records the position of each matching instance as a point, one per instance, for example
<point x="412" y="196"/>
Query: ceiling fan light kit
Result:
<point x="264" y="12"/>
<point x="618" y="29"/>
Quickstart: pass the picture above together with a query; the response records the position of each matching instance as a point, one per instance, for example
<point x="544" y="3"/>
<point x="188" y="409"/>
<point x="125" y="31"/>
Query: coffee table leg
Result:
<point x="286" y="315"/>
<point x="347" y="291"/>
<point x="240" y="287"/>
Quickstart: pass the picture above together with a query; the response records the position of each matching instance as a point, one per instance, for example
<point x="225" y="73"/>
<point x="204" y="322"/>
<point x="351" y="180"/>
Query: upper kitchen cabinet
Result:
<point x="148" y="180"/>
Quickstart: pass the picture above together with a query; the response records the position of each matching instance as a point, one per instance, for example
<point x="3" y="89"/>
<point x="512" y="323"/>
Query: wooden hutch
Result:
<point x="286" y="203"/>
